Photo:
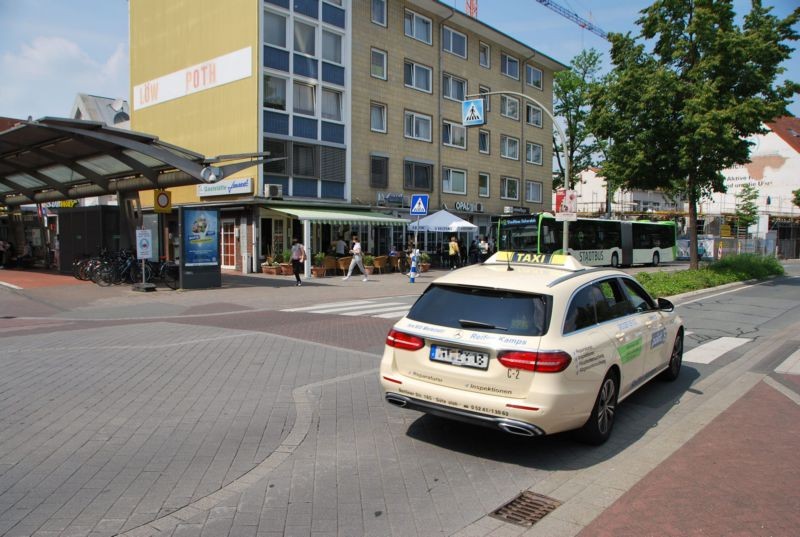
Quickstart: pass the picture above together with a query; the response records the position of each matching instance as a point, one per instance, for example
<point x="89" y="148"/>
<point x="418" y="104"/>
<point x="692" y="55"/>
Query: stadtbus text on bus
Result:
<point x="592" y="241"/>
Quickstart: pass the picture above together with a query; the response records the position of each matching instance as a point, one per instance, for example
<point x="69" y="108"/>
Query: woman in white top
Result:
<point x="298" y="258"/>
<point x="356" y="252"/>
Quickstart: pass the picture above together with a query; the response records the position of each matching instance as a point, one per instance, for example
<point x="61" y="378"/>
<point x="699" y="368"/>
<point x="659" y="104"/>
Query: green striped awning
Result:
<point x="330" y="216"/>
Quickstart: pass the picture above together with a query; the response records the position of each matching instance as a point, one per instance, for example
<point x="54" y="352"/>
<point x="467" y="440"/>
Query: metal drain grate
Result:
<point x="526" y="509"/>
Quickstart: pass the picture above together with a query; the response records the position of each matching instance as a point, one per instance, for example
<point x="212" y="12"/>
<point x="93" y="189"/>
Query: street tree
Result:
<point x="796" y="199"/>
<point x="681" y="112"/>
<point x="571" y="90"/>
<point x="746" y="208"/>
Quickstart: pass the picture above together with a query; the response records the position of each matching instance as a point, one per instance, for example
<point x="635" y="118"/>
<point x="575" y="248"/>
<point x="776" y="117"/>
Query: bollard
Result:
<point x="413" y="272"/>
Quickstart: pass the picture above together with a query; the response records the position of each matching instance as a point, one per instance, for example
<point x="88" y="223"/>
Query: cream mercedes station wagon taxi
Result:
<point x="531" y="344"/>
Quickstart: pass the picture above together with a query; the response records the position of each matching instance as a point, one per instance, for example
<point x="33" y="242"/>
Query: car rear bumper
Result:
<point x="508" y="425"/>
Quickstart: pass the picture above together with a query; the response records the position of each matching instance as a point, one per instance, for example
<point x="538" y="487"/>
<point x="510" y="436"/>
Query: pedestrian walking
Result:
<point x="298" y="259"/>
<point x="355" y="251"/>
<point x="454" y="252"/>
<point x="483" y="249"/>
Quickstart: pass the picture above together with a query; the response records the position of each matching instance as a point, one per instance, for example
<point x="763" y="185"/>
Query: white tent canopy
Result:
<point x="442" y="221"/>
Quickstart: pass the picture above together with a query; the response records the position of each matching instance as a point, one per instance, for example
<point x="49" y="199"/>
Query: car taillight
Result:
<point x="401" y="340"/>
<point x="541" y="362"/>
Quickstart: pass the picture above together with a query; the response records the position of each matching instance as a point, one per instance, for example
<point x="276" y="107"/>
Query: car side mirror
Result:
<point x="665" y="305"/>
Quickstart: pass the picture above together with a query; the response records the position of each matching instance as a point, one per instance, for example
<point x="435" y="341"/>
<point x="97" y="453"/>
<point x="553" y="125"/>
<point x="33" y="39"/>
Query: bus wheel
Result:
<point x="614" y="260"/>
<point x="656" y="259"/>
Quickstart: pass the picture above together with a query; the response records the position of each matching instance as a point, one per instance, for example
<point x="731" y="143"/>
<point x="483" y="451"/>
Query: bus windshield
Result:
<point x="519" y="233"/>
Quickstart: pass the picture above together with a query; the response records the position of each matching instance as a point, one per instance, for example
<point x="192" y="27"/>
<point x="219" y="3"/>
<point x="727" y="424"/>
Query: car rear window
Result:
<point x="482" y="310"/>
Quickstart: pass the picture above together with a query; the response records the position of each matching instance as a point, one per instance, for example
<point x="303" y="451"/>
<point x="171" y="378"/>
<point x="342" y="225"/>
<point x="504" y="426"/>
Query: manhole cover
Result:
<point x="526" y="509"/>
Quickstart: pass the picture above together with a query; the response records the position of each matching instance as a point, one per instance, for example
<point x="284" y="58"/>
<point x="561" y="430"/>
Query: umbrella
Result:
<point x="442" y="221"/>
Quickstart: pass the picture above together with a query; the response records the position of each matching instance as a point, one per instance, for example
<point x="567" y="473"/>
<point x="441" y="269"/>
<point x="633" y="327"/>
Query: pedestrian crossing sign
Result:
<point x="419" y="205"/>
<point x="472" y="113"/>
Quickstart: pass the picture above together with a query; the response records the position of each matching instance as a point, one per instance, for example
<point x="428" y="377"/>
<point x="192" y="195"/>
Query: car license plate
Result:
<point x="460" y="357"/>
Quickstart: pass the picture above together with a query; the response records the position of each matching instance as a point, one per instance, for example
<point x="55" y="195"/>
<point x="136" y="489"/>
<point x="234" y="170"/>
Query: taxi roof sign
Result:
<point x="530" y="258"/>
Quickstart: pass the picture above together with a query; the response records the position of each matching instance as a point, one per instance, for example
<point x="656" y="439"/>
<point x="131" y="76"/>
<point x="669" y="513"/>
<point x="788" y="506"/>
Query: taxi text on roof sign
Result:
<point x="529" y="258"/>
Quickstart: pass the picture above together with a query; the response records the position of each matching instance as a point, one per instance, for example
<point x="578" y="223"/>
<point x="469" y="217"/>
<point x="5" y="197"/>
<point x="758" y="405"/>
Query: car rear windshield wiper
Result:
<point x="466" y="323"/>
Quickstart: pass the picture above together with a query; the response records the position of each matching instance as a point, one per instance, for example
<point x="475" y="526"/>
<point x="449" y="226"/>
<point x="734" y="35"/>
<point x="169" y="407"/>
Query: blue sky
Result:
<point x="50" y="50"/>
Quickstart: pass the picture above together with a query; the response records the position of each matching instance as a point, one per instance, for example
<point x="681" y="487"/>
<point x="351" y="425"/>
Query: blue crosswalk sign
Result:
<point x="472" y="113"/>
<point x="419" y="205"/>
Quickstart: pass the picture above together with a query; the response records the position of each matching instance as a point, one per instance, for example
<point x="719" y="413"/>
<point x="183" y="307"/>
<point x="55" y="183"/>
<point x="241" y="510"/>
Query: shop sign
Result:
<point x="392" y="198"/>
<point x="469" y="207"/>
<point x="508" y="209"/>
<point x="209" y="74"/>
<point x="226" y="187"/>
<point x="62" y="203"/>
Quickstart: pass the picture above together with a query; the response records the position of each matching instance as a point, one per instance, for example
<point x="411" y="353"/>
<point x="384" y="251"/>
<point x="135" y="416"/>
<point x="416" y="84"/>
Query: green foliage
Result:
<point x="796" y="199"/>
<point x="571" y="91"/>
<point x="729" y="269"/>
<point x="746" y="208"/>
<point x="680" y="113"/>
<point x="424" y="257"/>
<point x="319" y="259"/>
<point x="282" y="257"/>
<point x="369" y="260"/>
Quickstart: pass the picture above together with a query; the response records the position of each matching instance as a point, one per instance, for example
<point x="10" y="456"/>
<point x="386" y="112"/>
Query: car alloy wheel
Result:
<point x="675" y="360"/>
<point x="598" y="428"/>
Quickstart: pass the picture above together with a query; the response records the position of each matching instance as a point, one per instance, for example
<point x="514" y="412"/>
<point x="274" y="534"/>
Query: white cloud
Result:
<point x="43" y="76"/>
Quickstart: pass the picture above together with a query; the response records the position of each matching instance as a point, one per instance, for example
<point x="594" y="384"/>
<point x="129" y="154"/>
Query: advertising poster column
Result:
<point x="200" y="248"/>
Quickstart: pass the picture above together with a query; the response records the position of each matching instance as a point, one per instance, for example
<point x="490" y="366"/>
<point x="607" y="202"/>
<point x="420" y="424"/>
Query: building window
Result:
<point x="379" y="12"/>
<point x="454" y="181"/>
<point x="304" y="99"/>
<point x="278" y="164"/>
<point x="533" y="153"/>
<point x="454" y="134"/>
<point x="485" y="55"/>
<point x="417" y="76"/>
<point x="418" y="126"/>
<point x="533" y="115"/>
<point x="509" y="66"/>
<point x="418" y="27"/>
<point x="509" y="147"/>
<point x="377" y="117"/>
<point x="533" y="76"/>
<point x="484" y="141"/>
<point x="274" y="92"/>
<point x="304" y="160"/>
<point x="454" y="42"/>
<point x="509" y="107"/>
<point x="331" y="47"/>
<point x="304" y="38"/>
<point x="331" y="104"/>
<point x="274" y="29"/>
<point x="378" y="64"/>
<point x="453" y="87"/>
<point x="509" y="188"/>
<point x="483" y="90"/>
<point x="417" y="176"/>
<point x="533" y="191"/>
<point x="483" y="185"/>
<point x="378" y="172"/>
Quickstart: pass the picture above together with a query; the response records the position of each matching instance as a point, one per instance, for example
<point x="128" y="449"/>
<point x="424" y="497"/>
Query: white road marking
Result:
<point x="10" y="285"/>
<point x="791" y="365"/>
<point x="363" y="307"/>
<point x="710" y="351"/>
<point x="379" y="309"/>
<point x="330" y="305"/>
<point x="392" y="315"/>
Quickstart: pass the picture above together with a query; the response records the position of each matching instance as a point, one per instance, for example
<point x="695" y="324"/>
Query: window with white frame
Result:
<point x="331" y="104"/>
<point x="483" y="90"/>
<point x="509" y="107"/>
<point x="379" y="12"/>
<point x="533" y="153"/>
<point x="509" y="188"/>
<point x="485" y="55"/>
<point x="509" y="66"/>
<point x="377" y="117"/>
<point x="484" y="142"/>
<point x="304" y="102"/>
<point x="417" y="76"/>
<point x="274" y="29"/>
<point x="533" y="76"/>
<point x="533" y="191"/>
<point x="454" y="134"/>
<point x="377" y="63"/>
<point x="454" y="42"/>
<point x="417" y="27"/>
<point x="454" y="181"/>
<point x="304" y="38"/>
<point x="274" y="92"/>
<point x="417" y="126"/>
<point x="417" y="175"/>
<point x="533" y="115"/>
<point x="483" y="185"/>
<point x="331" y="47"/>
<point x="453" y="87"/>
<point x="509" y="147"/>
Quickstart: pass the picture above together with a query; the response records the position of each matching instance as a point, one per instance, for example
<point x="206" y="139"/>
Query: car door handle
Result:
<point x="649" y="324"/>
<point x="620" y="336"/>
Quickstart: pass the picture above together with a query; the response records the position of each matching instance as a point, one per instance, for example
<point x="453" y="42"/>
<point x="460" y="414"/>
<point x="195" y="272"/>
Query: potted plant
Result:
<point x="424" y="262"/>
<point x="369" y="261"/>
<point x="318" y="270"/>
<point x="284" y="259"/>
<point x="270" y="267"/>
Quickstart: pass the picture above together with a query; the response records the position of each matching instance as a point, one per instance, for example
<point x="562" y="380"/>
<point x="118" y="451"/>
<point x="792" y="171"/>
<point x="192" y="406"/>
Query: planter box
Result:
<point x="286" y="269"/>
<point x="318" y="272"/>
<point x="271" y="270"/>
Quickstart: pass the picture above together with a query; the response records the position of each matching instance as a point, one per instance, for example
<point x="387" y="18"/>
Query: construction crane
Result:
<point x="574" y="17"/>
